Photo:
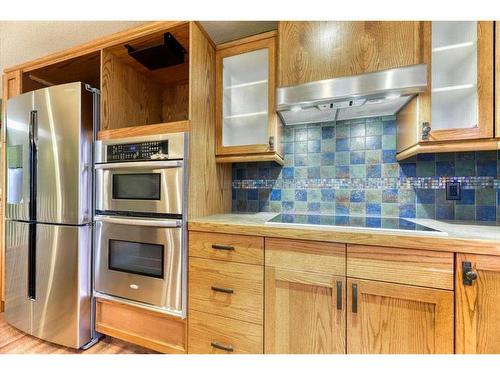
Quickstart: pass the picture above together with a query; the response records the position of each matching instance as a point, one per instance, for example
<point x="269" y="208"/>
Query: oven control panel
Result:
<point x="154" y="150"/>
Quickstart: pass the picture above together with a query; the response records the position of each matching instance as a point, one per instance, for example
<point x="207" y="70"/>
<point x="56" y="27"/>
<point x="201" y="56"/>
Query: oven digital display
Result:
<point x="136" y="151"/>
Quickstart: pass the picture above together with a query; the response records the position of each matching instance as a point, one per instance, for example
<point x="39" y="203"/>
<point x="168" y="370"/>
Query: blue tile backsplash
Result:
<point x="350" y="168"/>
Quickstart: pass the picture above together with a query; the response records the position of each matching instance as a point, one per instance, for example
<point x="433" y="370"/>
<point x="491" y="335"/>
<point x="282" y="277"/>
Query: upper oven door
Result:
<point x="152" y="187"/>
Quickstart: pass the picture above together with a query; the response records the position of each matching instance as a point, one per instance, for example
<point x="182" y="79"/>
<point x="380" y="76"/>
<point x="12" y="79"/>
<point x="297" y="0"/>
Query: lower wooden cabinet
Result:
<point x="477" y="304"/>
<point x="211" y="334"/>
<point x="305" y="312"/>
<point x="387" y="318"/>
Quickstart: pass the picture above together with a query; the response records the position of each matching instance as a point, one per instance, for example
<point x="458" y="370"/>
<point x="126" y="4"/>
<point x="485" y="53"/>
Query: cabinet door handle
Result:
<point x="339" y="295"/>
<point x="222" y="247"/>
<point x="469" y="275"/>
<point x="222" y="290"/>
<point x="355" y="298"/>
<point x="217" y="345"/>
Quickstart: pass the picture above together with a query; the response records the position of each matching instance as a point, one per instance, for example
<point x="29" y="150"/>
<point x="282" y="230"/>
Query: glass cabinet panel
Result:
<point x="454" y="75"/>
<point x="245" y="99"/>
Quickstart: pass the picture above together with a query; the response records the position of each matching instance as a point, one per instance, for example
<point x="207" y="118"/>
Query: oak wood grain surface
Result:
<point x="241" y="337"/>
<point x="246" y="281"/>
<point x="477" y="306"/>
<point x="242" y="249"/>
<point x="398" y="319"/>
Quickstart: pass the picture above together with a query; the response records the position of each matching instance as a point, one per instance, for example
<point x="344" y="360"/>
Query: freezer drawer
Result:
<point x="61" y="311"/>
<point x="17" y="303"/>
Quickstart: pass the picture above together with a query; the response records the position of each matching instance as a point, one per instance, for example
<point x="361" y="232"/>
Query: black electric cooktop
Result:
<point x="387" y="223"/>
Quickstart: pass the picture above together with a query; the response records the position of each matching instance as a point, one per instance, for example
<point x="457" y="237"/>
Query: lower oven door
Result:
<point x="140" y="260"/>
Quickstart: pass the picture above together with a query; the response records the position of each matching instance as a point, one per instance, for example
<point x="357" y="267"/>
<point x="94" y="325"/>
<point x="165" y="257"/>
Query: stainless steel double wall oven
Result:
<point x="141" y="210"/>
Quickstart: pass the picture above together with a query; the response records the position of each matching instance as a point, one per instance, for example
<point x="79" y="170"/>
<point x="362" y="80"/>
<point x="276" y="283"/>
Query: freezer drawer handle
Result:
<point x="222" y="290"/>
<point x="227" y="348"/>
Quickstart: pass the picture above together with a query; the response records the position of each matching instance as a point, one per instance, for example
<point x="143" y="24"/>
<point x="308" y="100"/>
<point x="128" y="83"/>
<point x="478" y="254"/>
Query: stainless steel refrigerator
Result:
<point x="49" y="213"/>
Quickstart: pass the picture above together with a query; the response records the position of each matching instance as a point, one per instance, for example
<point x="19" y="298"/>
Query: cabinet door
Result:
<point x="311" y="51"/>
<point x="386" y="318"/>
<point x="477" y="304"/>
<point x="305" y="312"/>
<point x="459" y="56"/>
<point x="245" y="97"/>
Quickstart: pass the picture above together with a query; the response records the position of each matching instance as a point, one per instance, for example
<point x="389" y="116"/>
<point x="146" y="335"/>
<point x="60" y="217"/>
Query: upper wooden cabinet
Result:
<point x="477" y="304"/>
<point x="458" y="103"/>
<point x="311" y="51"/>
<point x="460" y="60"/>
<point x="247" y="124"/>
<point x="497" y="80"/>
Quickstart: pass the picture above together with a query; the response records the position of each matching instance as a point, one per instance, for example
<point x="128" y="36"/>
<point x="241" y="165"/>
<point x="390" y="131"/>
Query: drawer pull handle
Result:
<point x="222" y="290"/>
<point x="222" y="247"/>
<point x="227" y="348"/>
<point x="355" y="298"/>
<point x="339" y="295"/>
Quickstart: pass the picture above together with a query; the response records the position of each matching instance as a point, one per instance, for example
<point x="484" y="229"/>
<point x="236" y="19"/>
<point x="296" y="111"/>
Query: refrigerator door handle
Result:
<point x="33" y="144"/>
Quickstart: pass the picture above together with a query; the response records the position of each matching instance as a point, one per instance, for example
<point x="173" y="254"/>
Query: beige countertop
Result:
<point x="470" y="237"/>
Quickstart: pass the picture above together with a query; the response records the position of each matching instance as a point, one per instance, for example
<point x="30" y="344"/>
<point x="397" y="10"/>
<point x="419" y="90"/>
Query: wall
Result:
<point x="350" y="168"/>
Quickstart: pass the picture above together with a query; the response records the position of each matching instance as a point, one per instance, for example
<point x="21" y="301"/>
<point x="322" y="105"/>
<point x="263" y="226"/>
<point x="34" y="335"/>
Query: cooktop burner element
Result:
<point x="384" y="223"/>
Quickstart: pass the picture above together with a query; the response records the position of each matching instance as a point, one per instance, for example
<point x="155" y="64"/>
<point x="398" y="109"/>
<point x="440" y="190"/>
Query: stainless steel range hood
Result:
<point x="379" y="93"/>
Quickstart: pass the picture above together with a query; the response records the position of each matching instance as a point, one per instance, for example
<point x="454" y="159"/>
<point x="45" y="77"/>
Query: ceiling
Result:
<point x="224" y="31"/>
<point x="22" y="41"/>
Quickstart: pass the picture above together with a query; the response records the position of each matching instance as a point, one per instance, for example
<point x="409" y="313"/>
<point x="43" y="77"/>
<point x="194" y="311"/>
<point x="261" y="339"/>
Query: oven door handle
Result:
<point x="162" y="223"/>
<point x="141" y="164"/>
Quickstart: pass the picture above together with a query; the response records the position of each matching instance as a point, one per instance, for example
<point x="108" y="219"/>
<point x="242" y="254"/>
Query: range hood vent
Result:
<point x="380" y="93"/>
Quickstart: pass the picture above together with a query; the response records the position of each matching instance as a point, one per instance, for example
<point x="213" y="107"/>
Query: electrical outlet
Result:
<point x="453" y="191"/>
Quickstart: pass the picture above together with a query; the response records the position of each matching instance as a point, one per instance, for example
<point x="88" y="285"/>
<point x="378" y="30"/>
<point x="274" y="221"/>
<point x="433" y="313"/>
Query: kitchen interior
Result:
<point x="255" y="187"/>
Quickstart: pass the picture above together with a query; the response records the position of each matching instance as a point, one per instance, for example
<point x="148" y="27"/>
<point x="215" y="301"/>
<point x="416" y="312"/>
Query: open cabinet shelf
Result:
<point x="134" y="96"/>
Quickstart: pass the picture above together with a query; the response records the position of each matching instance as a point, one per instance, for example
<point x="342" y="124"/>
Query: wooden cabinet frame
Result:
<point x="325" y="336"/>
<point x="484" y="128"/>
<point x="261" y="41"/>
<point x="439" y="306"/>
<point x="477" y="305"/>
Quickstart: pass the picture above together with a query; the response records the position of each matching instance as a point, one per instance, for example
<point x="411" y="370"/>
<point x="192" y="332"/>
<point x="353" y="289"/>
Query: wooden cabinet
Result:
<point x="151" y="329"/>
<point x="304" y="297"/>
<point x="387" y="318"/>
<point x="226" y="293"/>
<point x="497" y="80"/>
<point x="455" y="113"/>
<point x="311" y="51"/>
<point x="248" y="128"/>
<point x="305" y="312"/>
<point x="477" y="304"/>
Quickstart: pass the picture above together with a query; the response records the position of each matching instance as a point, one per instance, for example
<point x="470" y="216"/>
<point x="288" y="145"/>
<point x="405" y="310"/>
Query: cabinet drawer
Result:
<point x="232" y="290"/>
<point x="233" y="248"/>
<point x="433" y="269"/>
<point x="160" y="332"/>
<point x="211" y="334"/>
<point x="312" y="256"/>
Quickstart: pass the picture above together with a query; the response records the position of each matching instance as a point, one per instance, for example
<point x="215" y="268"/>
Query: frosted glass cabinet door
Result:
<point x="246" y="118"/>
<point x="462" y="80"/>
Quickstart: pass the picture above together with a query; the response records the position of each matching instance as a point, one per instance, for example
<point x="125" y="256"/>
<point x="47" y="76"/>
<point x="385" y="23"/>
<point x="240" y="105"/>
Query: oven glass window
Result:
<point x="136" y="257"/>
<point x="142" y="186"/>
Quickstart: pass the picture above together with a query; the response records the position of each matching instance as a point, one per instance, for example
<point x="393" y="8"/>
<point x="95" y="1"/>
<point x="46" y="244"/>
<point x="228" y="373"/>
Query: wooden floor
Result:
<point x="13" y="341"/>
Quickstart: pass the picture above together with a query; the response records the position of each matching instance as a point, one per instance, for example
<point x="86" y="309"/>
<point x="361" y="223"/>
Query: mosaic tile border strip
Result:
<point x="370" y="183"/>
